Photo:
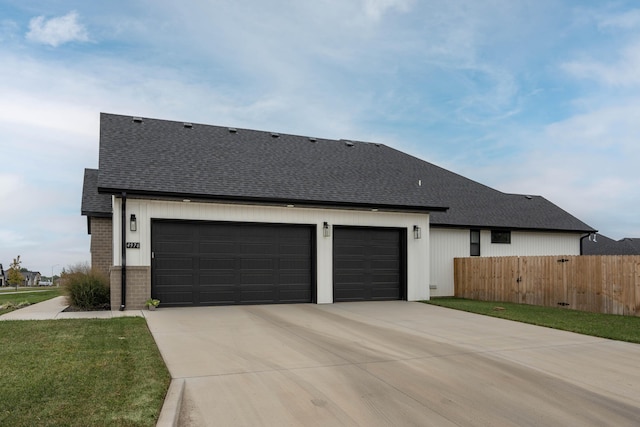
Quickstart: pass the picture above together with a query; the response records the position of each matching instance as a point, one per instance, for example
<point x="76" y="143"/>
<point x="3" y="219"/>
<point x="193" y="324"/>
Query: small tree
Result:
<point x="14" y="277"/>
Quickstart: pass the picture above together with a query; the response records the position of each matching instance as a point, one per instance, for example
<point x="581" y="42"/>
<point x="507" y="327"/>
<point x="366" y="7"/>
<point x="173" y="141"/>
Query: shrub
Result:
<point x="86" y="289"/>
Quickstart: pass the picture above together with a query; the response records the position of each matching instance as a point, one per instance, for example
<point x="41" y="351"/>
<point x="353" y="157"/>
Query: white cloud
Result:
<point x="375" y="9"/>
<point x="625" y="21"/>
<point x="586" y="164"/>
<point x="8" y="29"/>
<point x="57" y="31"/>
<point x="622" y="72"/>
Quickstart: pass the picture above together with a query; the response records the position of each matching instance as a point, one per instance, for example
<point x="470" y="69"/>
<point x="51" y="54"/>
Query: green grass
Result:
<point x="621" y="328"/>
<point x="80" y="373"/>
<point x="28" y="296"/>
<point x="6" y="289"/>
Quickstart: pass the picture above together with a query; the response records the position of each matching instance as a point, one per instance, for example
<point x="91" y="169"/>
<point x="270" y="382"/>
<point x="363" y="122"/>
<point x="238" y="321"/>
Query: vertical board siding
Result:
<point x="596" y="283"/>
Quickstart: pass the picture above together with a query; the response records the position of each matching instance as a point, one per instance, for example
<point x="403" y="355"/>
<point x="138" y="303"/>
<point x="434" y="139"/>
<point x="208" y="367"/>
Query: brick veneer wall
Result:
<point x="101" y="244"/>
<point x="138" y="287"/>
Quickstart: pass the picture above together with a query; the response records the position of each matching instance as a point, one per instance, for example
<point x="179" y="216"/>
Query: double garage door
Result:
<point x="229" y="263"/>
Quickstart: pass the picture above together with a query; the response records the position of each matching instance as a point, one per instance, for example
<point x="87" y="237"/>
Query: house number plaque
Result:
<point x="133" y="245"/>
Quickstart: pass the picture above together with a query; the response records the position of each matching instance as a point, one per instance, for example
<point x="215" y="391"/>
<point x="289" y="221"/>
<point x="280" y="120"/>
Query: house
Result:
<point x="3" y="279"/>
<point x="194" y="214"/>
<point x="31" y="278"/>
<point x="603" y="245"/>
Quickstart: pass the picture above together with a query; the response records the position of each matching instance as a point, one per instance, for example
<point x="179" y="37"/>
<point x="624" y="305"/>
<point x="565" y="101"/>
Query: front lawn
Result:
<point x="621" y="328"/>
<point x="31" y="296"/>
<point x="87" y="372"/>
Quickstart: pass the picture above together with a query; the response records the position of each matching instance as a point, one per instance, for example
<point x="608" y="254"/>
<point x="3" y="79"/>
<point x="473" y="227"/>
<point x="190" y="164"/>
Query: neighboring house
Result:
<point x="31" y="278"/>
<point x="603" y="245"/>
<point x="195" y="214"/>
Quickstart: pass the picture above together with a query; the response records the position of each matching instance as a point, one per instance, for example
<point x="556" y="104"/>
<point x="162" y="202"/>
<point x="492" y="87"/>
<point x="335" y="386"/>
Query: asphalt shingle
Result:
<point x="161" y="157"/>
<point x="94" y="203"/>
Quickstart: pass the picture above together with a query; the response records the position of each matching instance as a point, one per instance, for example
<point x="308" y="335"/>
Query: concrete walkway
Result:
<point x="53" y="309"/>
<point x="390" y="363"/>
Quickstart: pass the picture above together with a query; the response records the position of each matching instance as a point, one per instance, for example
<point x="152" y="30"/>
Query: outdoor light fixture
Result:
<point x="417" y="232"/>
<point x="133" y="225"/>
<point x="325" y="229"/>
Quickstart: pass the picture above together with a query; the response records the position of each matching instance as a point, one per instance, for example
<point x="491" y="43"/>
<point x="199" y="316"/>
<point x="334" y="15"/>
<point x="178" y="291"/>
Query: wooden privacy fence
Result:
<point x="597" y="283"/>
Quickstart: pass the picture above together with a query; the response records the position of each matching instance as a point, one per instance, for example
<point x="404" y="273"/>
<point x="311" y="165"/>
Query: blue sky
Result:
<point x="533" y="97"/>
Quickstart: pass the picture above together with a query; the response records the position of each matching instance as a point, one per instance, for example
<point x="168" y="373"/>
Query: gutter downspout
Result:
<point x="123" y="237"/>
<point x="582" y="238"/>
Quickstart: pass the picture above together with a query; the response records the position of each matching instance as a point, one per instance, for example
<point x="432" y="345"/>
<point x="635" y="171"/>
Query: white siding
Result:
<point x="146" y="210"/>
<point x="447" y="244"/>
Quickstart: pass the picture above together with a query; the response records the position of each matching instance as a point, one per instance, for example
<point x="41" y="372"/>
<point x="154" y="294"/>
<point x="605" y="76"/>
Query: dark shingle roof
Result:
<point x="606" y="246"/>
<point x="160" y="157"/>
<point x="94" y="203"/>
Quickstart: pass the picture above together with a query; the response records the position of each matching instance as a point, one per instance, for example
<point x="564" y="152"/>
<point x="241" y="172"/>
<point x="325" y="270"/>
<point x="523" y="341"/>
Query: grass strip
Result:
<point x="30" y="297"/>
<point x="80" y="372"/>
<point x="615" y="327"/>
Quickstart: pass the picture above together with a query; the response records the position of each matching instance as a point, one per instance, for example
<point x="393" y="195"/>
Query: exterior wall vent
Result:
<point x="137" y="119"/>
<point x="233" y="130"/>
<point x="187" y="125"/>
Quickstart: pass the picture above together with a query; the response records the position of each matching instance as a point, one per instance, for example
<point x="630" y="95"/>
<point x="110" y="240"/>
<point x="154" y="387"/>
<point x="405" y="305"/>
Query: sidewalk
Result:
<point x="53" y="309"/>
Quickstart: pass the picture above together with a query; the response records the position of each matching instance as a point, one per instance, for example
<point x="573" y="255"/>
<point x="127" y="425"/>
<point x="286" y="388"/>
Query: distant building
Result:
<point x="603" y="245"/>
<point x="30" y="278"/>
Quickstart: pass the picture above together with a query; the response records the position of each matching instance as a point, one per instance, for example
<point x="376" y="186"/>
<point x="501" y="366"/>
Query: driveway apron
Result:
<point x="390" y="363"/>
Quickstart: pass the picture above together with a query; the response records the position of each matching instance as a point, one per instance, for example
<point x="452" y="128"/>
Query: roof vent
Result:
<point x="275" y="135"/>
<point x="187" y="125"/>
<point x="348" y="143"/>
<point x="137" y="119"/>
<point x="312" y="139"/>
<point x="233" y="130"/>
<point x="528" y="197"/>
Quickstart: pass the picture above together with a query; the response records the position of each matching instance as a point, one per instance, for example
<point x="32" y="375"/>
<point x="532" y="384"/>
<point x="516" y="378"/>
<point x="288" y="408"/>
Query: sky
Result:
<point x="531" y="97"/>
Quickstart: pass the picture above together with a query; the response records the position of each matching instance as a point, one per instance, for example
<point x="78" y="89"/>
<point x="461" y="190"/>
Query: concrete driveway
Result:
<point x="390" y="363"/>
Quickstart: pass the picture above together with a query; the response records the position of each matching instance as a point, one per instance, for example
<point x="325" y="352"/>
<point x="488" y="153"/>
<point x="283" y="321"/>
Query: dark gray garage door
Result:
<point x="215" y="263"/>
<point x="368" y="264"/>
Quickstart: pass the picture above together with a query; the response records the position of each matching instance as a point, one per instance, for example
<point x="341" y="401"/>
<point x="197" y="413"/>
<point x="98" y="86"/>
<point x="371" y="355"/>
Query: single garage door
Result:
<point x="228" y="263"/>
<point x="368" y="264"/>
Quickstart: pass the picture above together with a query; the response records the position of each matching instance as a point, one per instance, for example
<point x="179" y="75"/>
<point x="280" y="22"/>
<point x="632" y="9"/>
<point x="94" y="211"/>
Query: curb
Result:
<point x="170" y="413"/>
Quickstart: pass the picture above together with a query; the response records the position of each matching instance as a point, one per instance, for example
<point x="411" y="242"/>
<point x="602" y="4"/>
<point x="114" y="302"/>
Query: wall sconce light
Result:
<point x="417" y="232"/>
<point x="325" y="229"/>
<point x="133" y="225"/>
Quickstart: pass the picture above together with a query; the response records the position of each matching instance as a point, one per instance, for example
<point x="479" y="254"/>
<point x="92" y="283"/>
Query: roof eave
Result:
<point x="502" y="227"/>
<point x="272" y="201"/>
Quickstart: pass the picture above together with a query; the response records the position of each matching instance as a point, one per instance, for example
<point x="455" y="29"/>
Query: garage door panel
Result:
<point x="217" y="264"/>
<point x="175" y="280"/>
<point x="385" y="264"/>
<point x="175" y="263"/>
<point x="248" y="264"/>
<point x="368" y="264"/>
<point x="292" y="279"/>
<point x="217" y="247"/>
<point x="174" y="247"/>
<point x="257" y="248"/>
<point x="232" y="263"/>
